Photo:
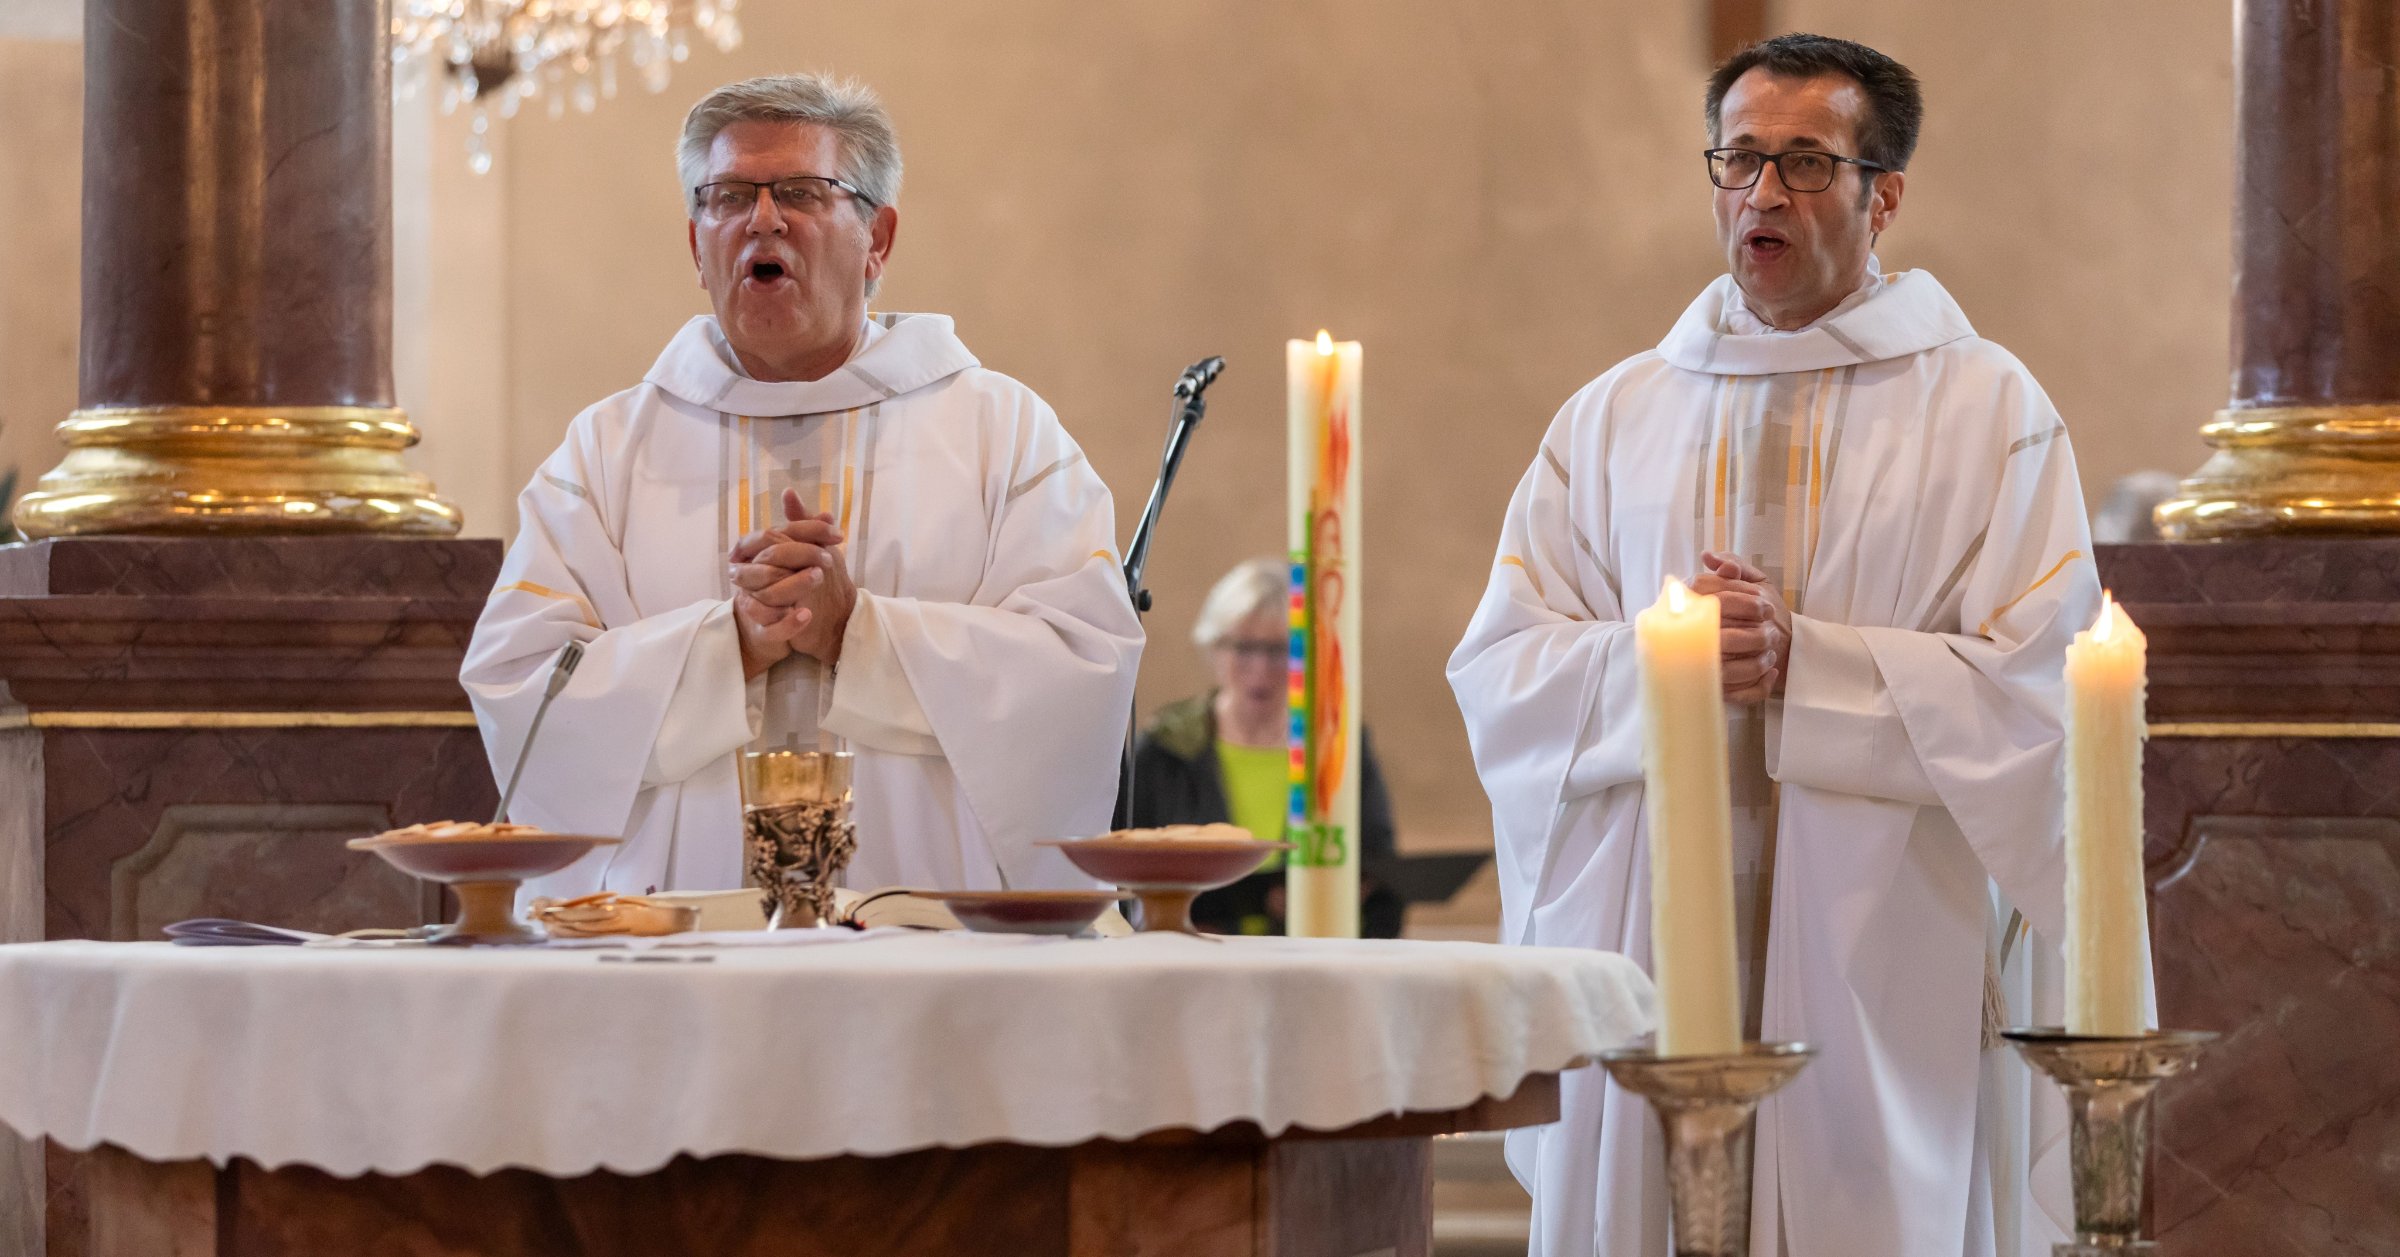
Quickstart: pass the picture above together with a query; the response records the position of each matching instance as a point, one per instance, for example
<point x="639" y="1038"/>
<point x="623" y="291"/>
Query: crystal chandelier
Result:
<point x="493" y="55"/>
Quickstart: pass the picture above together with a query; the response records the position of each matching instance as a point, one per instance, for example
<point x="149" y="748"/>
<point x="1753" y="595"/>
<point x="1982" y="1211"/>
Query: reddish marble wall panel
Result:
<point x="2275" y="888"/>
<point x="2275" y="920"/>
<point x="2283" y="629"/>
<point x="109" y="790"/>
<point x="259" y="624"/>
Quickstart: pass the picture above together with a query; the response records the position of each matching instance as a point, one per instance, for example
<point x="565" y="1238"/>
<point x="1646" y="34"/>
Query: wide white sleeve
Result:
<point x="1838" y="727"/>
<point x="1024" y="689"/>
<point x="1546" y="676"/>
<point x="1968" y="715"/>
<point x="655" y="699"/>
<point x="873" y="703"/>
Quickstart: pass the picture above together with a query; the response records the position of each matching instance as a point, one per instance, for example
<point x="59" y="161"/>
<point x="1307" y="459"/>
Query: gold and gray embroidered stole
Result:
<point x="829" y="459"/>
<point x="1765" y="459"/>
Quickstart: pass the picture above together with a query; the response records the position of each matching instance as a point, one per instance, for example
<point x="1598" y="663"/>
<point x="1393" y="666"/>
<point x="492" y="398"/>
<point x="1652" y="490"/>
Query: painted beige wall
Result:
<point x="41" y="198"/>
<point x="1500" y="199"/>
<point x="2107" y="265"/>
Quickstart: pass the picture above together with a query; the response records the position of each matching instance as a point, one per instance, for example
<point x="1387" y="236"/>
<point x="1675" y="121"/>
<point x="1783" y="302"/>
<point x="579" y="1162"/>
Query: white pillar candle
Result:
<point x="1321" y="881"/>
<point x="1691" y="825"/>
<point x="2108" y="921"/>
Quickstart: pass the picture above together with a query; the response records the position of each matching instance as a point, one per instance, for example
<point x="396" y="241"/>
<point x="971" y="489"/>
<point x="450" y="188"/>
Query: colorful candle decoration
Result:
<point x="2108" y="921"/>
<point x="1690" y="808"/>
<point x="1321" y="875"/>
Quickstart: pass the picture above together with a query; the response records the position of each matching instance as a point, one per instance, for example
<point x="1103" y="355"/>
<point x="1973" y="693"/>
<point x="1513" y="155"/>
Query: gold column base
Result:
<point x="236" y="469"/>
<point x="2292" y="469"/>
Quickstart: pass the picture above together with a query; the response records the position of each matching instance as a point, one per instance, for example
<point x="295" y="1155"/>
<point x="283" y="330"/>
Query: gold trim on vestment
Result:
<point x="742" y="487"/>
<point x="2275" y="729"/>
<point x="237" y="720"/>
<point x="590" y="617"/>
<point x="1985" y="629"/>
<point x="1511" y="560"/>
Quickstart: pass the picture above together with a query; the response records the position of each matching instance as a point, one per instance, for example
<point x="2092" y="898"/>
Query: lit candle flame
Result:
<point x="1677" y="596"/>
<point x="2105" y="627"/>
<point x="1324" y="342"/>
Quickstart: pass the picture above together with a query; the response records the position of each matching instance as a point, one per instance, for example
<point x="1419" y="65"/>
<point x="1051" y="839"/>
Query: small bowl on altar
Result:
<point x="483" y="865"/>
<point x="1168" y="868"/>
<point x="1024" y="911"/>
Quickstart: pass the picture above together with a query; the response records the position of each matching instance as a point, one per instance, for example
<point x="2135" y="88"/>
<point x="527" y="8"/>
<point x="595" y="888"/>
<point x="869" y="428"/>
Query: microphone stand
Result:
<point x="562" y="667"/>
<point x="1190" y="405"/>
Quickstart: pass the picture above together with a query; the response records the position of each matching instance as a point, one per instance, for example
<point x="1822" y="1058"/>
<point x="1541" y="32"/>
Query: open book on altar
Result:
<point x="746" y="909"/>
<point x="891" y="906"/>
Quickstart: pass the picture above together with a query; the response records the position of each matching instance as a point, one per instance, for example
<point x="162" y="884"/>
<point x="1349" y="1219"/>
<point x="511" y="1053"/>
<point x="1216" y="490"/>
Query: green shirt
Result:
<point x="1257" y="789"/>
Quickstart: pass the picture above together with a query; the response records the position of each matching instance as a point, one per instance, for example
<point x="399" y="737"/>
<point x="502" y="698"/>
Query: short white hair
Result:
<point x="1262" y="584"/>
<point x="870" y="148"/>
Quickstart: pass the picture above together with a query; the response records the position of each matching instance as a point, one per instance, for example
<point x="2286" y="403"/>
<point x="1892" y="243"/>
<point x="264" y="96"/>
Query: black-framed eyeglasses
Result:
<point x="1801" y="170"/>
<point x="1263" y="650"/>
<point x="798" y="194"/>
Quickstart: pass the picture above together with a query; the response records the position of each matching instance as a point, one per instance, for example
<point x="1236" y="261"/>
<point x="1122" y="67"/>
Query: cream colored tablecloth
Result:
<point x="560" y="1061"/>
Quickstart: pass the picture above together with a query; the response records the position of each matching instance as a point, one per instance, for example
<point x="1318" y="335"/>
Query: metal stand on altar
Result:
<point x="1190" y="406"/>
<point x="1708" y="1108"/>
<point x="2109" y="1082"/>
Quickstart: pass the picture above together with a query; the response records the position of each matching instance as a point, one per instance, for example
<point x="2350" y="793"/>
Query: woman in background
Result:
<point x="1222" y="756"/>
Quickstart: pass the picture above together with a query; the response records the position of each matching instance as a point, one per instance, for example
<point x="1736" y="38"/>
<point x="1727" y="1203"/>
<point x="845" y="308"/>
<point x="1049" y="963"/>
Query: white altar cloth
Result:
<point x="561" y="1061"/>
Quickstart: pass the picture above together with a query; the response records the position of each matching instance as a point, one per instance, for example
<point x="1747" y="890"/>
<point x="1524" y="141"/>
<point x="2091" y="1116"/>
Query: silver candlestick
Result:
<point x="2109" y="1082"/>
<point x="1708" y="1108"/>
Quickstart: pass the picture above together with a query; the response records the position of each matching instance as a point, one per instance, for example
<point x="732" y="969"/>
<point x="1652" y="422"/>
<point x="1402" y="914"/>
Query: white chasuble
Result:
<point x="1910" y="488"/>
<point x="986" y="671"/>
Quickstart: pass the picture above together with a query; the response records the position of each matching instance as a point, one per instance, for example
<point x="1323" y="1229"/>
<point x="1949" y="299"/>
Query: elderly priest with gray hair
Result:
<point x="811" y="527"/>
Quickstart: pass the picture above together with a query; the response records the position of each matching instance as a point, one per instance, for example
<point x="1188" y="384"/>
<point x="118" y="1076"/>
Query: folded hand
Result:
<point x="1754" y="628"/>
<point x="791" y="589"/>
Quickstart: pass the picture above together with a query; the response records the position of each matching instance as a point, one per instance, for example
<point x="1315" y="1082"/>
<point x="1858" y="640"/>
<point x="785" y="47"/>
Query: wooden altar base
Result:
<point x="1366" y="1191"/>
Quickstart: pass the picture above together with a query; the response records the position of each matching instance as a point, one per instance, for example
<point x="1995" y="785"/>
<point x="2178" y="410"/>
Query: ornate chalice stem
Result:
<point x="1707" y="1107"/>
<point x="2109" y="1082"/>
<point x="797" y="833"/>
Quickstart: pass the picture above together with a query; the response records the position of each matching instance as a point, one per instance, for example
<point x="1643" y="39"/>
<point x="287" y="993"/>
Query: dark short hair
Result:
<point x="1887" y="134"/>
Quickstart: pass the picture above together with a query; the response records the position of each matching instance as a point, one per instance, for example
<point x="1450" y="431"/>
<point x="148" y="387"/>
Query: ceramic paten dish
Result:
<point x="1024" y="911"/>
<point x="483" y="865"/>
<point x="1167" y="869"/>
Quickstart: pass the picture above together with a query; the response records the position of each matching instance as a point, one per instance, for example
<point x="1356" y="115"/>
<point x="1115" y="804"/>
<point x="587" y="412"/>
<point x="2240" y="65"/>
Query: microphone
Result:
<point x="1190" y="406"/>
<point x="568" y="656"/>
<point x="1197" y="377"/>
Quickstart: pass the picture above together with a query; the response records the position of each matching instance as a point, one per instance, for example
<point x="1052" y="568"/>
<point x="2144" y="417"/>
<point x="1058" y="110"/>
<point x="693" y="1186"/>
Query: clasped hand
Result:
<point x="1754" y="628"/>
<point x="792" y="592"/>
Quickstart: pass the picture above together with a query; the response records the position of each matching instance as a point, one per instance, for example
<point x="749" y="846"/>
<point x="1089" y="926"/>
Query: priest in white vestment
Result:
<point x="1887" y="507"/>
<point x="808" y="528"/>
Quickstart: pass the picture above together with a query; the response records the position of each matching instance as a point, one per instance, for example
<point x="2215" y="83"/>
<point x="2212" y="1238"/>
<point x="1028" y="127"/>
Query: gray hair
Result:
<point x="1262" y="584"/>
<point x="870" y="149"/>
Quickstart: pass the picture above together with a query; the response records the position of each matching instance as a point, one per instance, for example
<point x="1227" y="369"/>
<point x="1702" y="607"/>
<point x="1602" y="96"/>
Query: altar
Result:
<point x="852" y="1094"/>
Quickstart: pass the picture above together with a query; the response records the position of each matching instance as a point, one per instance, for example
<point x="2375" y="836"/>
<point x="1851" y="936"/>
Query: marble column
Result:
<point x="195" y="725"/>
<point x="2311" y="439"/>
<point x="236" y="359"/>
<point x="2272" y="818"/>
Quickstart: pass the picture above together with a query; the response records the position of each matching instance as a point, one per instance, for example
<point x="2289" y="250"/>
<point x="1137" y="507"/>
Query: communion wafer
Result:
<point x="1187" y="833"/>
<point x="444" y="830"/>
